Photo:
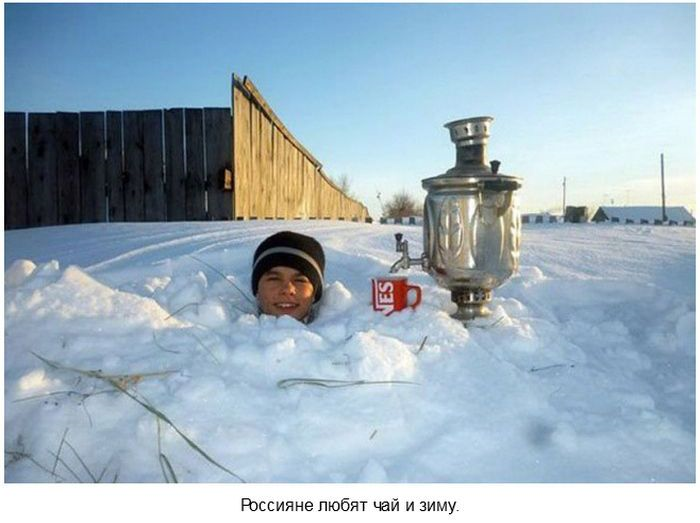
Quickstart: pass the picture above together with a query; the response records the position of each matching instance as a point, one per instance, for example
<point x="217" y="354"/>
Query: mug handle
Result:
<point x="419" y="295"/>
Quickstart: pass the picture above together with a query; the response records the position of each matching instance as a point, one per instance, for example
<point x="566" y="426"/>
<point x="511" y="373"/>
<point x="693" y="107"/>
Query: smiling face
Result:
<point x="283" y="290"/>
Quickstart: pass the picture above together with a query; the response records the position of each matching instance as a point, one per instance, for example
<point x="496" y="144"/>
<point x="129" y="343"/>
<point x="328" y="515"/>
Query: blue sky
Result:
<point x="593" y="92"/>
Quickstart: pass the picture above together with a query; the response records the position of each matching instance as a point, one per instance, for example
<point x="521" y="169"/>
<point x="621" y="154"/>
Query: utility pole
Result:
<point x="663" y="191"/>
<point x="563" y="203"/>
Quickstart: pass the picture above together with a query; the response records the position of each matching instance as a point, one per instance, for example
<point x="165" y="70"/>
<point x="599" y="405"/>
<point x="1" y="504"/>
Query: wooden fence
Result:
<point x="165" y="165"/>
<point x="155" y="165"/>
<point x="275" y="176"/>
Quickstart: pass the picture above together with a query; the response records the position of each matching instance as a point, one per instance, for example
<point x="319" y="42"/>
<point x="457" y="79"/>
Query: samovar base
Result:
<point x="471" y="303"/>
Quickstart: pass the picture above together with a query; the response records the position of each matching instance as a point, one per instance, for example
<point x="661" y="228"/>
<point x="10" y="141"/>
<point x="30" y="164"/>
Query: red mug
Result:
<point x="391" y="294"/>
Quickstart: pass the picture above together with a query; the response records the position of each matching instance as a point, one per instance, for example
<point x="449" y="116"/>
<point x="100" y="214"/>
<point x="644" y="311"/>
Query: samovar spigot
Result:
<point x="406" y="261"/>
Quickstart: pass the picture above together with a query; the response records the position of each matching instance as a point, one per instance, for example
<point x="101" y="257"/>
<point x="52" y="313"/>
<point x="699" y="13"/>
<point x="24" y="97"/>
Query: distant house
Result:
<point x="643" y="215"/>
<point x="576" y="214"/>
<point x="406" y="220"/>
<point x="541" y="217"/>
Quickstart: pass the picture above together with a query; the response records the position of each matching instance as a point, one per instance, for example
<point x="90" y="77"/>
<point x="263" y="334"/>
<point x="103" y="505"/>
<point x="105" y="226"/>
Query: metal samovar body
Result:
<point x="471" y="223"/>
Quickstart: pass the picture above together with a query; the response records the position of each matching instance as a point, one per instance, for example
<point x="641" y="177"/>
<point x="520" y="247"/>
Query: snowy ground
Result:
<point x="588" y="377"/>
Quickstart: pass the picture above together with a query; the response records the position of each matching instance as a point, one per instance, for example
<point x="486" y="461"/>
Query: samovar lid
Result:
<point x="497" y="182"/>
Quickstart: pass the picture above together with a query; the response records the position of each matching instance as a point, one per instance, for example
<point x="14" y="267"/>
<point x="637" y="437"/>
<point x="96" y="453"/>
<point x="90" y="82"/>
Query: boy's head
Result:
<point x="288" y="274"/>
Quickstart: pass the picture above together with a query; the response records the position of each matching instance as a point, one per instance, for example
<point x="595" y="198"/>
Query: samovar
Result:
<point x="471" y="223"/>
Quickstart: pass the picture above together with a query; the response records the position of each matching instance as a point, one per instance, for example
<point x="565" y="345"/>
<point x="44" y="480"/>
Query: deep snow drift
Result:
<point x="586" y="374"/>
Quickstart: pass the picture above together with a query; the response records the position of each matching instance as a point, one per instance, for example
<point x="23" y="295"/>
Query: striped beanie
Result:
<point x="290" y="249"/>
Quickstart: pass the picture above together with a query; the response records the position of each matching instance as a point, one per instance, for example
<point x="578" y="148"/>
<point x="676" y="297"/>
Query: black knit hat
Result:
<point x="290" y="249"/>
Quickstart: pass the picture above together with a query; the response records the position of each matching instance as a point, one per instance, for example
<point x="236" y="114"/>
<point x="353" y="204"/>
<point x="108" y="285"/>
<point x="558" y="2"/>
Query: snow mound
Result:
<point x="336" y="298"/>
<point x="380" y="358"/>
<point x="73" y="295"/>
<point x="18" y="272"/>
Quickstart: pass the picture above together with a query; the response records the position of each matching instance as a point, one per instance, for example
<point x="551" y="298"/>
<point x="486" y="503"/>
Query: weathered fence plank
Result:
<point x="217" y="131"/>
<point x="278" y="148"/>
<point x="294" y="157"/>
<point x="257" y="202"/>
<point x="286" y="178"/>
<point x="153" y="186"/>
<point x="133" y="166"/>
<point x="301" y="180"/>
<point x="93" y="205"/>
<point x="175" y="164"/>
<point x="15" y="171"/>
<point x="266" y="174"/>
<point x="309" y="188"/>
<point x="67" y="168"/>
<point x="241" y="154"/>
<point x="325" y="201"/>
<point x="318" y="197"/>
<point x="298" y="184"/>
<point x="328" y="200"/>
<point x="115" y="167"/>
<point x="194" y="154"/>
<point x="42" y="184"/>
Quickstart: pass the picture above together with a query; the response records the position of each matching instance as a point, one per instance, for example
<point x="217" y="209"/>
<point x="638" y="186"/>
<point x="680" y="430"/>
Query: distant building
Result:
<point x="539" y="217"/>
<point x="576" y="214"/>
<point x="406" y="220"/>
<point x="643" y="215"/>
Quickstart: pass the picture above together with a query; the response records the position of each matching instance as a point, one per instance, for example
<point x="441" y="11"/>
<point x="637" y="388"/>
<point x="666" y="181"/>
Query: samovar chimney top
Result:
<point x="471" y="137"/>
<point x="470" y="131"/>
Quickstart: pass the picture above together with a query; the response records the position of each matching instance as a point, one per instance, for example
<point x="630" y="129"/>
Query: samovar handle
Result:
<point x="508" y="200"/>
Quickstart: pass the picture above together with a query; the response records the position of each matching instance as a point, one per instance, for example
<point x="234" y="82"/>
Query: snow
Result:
<point x="585" y="372"/>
